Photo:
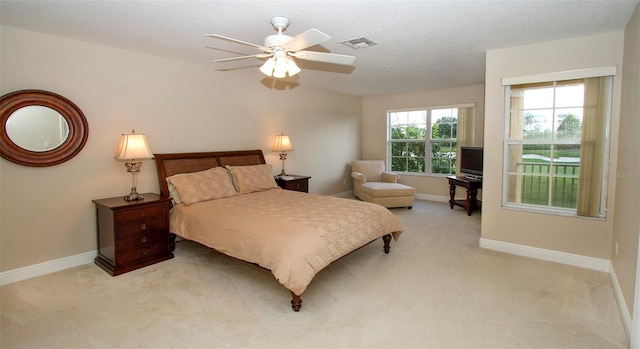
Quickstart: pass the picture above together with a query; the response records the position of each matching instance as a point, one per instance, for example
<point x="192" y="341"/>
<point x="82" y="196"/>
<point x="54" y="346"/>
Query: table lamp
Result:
<point x="282" y="145"/>
<point x="133" y="148"/>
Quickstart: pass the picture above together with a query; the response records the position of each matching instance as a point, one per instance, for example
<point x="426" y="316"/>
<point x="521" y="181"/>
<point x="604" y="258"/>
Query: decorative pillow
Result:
<point x="249" y="179"/>
<point x="173" y="191"/>
<point x="205" y="185"/>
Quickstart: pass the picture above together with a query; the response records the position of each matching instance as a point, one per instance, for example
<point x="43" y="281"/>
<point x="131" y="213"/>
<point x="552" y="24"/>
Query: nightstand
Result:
<point x="298" y="183"/>
<point x="132" y="234"/>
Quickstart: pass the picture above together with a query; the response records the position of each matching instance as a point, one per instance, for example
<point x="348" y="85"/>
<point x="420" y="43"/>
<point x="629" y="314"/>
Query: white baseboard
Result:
<point x="548" y="255"/>
<point x="622" y="305"/>
<point x="345" y="194"/>
<point x="428" y="197"/>
<point x="31" y="271"/>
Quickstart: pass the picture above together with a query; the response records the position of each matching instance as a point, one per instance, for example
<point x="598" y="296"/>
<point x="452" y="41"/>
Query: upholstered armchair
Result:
<point x="372" y="183"/>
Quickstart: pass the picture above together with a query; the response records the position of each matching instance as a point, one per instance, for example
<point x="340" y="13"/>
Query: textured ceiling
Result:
<point x="422" y="45"/>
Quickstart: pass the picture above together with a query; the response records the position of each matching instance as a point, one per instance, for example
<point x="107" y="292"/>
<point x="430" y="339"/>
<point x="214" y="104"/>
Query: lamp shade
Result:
<point x="133" y="146"/>
<point x="282" y="143"/>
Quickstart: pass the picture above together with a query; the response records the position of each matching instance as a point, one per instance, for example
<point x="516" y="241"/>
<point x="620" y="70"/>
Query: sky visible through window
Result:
<point x="437" y="114"/>
<point x="419" y="117"/>
<point x="569" y="99"/>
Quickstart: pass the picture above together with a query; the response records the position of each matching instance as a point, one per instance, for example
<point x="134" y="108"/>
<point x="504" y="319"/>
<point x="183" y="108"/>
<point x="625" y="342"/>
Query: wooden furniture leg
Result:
<point x="452" y="194"/>
<point x="172" y="242"/>
<point x="296" y="302"/>
<point x="387" y="242"/>
<point x="469" y="201"/>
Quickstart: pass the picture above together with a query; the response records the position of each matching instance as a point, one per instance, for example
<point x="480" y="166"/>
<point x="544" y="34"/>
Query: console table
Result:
<point x="472" y="185"/>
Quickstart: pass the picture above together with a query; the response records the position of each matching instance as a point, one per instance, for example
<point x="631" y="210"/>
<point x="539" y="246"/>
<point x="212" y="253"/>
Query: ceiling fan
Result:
<point x="280" y="49"/>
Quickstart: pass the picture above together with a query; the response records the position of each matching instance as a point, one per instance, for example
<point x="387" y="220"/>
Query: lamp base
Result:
<point x="133" y="167"/>
<point x="283" y="157"/>
<point x="133" y="196"/>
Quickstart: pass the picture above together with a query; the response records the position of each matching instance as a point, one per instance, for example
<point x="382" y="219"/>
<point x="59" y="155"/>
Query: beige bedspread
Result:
<point x="293" y="234"/>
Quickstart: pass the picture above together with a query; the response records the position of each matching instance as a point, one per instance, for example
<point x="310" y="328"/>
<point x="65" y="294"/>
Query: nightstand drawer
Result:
<point x="143" y="240"/>
<point x="141" y="227"/>
<point x="140" y="254"/>
<point x="140" y="213"/>
<point x="297" y="185"/>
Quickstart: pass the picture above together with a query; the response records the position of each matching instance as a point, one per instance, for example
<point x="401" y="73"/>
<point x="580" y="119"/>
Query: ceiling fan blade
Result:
<point x="260" y="55"/>
<point x="333" y="58"/>
<point x="307" y="39"/>
<point x="239" y="42"/>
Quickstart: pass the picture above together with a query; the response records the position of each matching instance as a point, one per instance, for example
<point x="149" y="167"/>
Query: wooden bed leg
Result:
<point x="172" y="242"/>
<point x="296" y="302"/>
<point x="387" y="242"/>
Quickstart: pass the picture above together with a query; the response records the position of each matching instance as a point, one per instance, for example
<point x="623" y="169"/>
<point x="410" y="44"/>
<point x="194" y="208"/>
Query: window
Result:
<point x="426" y="140"/>
<point x="556" y="146"/>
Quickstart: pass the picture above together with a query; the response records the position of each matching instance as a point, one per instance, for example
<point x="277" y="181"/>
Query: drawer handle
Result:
<point x="144" y="253"/>
<point x="144" y="239"/>
<point x="142" y="213"/>
<point x="143" y="226"/>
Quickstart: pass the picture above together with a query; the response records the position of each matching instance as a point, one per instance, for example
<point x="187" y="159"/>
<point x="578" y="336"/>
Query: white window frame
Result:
<point x="552" y="77"/>
<point x="428" y="140"/>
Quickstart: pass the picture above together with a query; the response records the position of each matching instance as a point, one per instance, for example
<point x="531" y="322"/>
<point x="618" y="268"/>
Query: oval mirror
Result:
<point x="40" y="128"/>
<point x="37" y="128"/>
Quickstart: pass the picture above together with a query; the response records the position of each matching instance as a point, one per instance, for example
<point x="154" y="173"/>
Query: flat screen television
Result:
<point x="471" y="159"/>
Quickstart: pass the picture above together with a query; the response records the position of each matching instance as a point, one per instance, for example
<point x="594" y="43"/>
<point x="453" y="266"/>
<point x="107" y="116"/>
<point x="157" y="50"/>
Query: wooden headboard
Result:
<point x="170" y="164"/>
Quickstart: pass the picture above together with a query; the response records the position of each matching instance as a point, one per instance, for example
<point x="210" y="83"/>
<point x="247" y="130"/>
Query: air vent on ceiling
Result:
<point x="359" y="43"/>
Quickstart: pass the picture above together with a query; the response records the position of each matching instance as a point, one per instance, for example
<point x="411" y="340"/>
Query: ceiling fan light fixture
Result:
<point x="292" y="67"/>
<point x="267" y="67"/>
<point x="279" y="66"/>
<point x="280" y="70"/>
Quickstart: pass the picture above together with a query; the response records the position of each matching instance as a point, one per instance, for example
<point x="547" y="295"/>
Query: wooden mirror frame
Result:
<point x="78" y="128"/>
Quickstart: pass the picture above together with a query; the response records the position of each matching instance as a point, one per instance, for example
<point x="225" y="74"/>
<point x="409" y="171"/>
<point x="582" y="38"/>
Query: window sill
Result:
<point x="554" y="212"/>
<point x="414" y="174"/>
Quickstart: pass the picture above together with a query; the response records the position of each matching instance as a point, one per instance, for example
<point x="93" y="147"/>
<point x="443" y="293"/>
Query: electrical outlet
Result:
<point x="616" y="248"/>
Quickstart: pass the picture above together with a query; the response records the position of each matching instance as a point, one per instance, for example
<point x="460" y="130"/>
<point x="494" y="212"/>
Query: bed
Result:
<point x="229" y="201"/>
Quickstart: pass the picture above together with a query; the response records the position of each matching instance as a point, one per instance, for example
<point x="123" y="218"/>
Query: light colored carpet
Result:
<point x="436" y="289"/>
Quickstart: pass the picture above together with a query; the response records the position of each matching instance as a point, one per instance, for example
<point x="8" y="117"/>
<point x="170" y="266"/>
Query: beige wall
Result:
<point x="626" y="223"/>
<point x="47" y="214"/>
<point x="581" y="236"/>
<point x="374" y="127"/>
